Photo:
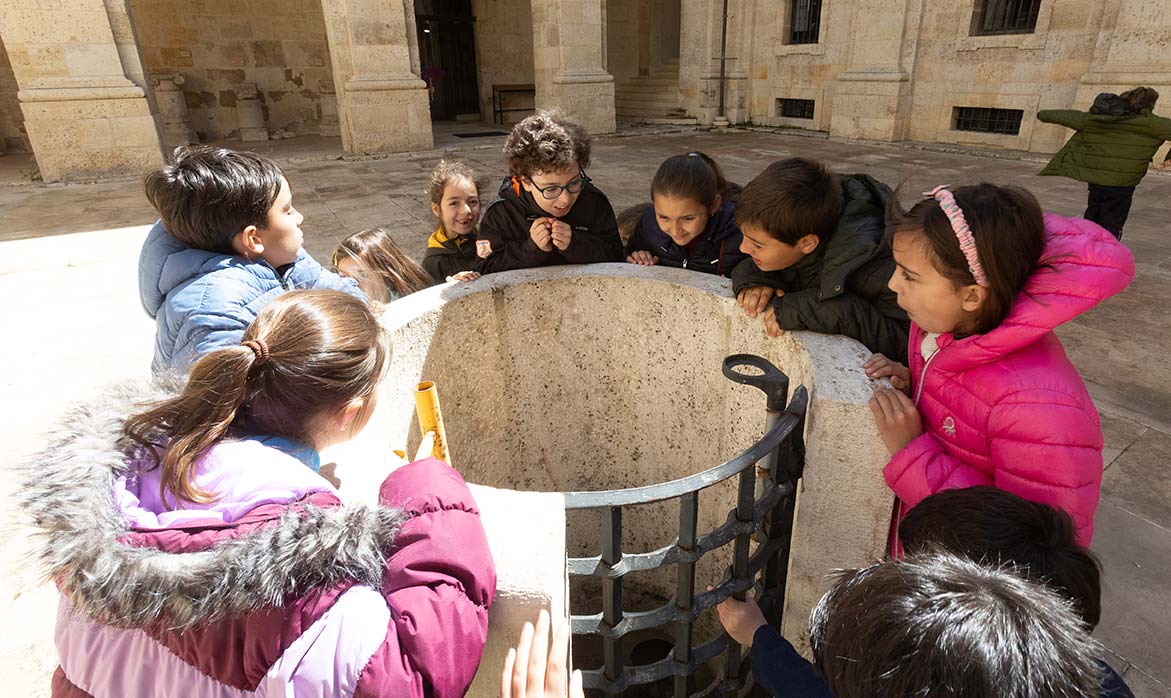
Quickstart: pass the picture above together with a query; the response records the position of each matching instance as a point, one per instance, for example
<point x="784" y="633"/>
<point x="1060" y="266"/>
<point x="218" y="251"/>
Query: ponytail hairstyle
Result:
<point x="1009" y="231"/>
<point x="306" y="356"/>
<point x="693" y="176"/>
<point x="380" y="260"/>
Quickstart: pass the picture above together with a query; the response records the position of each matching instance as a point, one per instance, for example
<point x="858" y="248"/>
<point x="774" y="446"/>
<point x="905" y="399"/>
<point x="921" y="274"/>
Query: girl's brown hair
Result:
<point x="693" y="176"/>
<point x="444" y="173"/>
<point x="1009" y="230"/>
<point x="380" y="258"/>
<point x="324" y="350"/>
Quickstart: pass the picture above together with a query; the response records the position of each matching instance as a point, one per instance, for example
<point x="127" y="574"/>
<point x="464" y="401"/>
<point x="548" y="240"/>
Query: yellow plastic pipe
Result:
<point x="431" y="419"/>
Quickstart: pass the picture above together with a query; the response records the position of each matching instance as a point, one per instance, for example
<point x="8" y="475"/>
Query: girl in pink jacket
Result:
<point x="199" y="553"/>
<point x="990" y="397"/>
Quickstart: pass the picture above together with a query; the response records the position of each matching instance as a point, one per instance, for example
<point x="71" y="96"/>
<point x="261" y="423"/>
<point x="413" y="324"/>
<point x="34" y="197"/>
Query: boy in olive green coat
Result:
<point x="1115" y="141"/>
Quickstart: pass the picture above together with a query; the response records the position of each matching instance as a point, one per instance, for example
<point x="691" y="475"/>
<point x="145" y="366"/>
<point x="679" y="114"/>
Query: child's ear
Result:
<point x="435" y="210"/>
<point x="247" y="243"/>
<point x="716" y="205"/>
<point x="973" y="297"/>
<point x="348" y="415"/>
<point x="808" y="243"/>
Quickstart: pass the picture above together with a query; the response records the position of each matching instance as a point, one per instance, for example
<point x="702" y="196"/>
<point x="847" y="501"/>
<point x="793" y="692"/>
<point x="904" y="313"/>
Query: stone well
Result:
<point x="608" y="376"/>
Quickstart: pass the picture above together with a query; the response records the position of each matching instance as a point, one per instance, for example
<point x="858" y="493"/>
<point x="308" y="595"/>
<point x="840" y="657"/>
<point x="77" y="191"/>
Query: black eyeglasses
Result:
<point x="554" y="191"/>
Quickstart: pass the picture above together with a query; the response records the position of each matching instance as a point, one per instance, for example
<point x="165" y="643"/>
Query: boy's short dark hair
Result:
<point x="944" y="626"/>
<point x="207" y="195"/>
<point x="548" y="141"/>
<point x="995" y="527"/>
<point x="791" y="199"/>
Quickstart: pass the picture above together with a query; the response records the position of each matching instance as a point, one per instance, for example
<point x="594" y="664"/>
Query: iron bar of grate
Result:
<point x="685" y="586"/>
<point x="804" y="21"/>
<point x="759" y="515"/>
<point x="612" y="591"/>
<point x="668" y="666"/>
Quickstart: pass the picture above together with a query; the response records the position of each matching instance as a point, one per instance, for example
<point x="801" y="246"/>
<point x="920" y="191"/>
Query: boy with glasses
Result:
<point x="547" y="212"/>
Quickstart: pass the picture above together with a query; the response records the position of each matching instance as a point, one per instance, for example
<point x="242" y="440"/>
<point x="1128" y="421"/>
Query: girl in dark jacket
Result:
<point x="690" y="224"/>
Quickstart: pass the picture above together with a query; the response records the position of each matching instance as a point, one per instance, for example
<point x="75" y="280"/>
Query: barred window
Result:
<point x="795" y="108"/>
<point x="1005" y="17"/>
<point x="1006" y="121"/>
<point x="805" y="21"/>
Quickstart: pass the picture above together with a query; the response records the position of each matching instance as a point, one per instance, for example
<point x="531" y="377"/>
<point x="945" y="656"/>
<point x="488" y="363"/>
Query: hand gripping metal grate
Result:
<point x="763" y="513"/>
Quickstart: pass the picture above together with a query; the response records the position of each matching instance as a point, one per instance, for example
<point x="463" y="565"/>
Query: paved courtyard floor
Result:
<point x="72" y="321"/>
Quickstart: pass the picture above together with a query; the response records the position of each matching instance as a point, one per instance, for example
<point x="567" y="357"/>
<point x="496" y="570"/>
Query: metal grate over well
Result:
<point x="767" y="474"/>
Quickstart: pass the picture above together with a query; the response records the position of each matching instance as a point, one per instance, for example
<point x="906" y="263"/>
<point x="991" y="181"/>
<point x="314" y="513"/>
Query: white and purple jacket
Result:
<point x="275" y="589"/>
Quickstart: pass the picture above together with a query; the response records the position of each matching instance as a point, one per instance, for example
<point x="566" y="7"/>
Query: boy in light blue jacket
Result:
<point x="228" y="241"/>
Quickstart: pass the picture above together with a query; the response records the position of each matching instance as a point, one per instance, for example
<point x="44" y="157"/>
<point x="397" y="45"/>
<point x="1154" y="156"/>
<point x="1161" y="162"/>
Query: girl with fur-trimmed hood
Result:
<point x="199" y="553"/>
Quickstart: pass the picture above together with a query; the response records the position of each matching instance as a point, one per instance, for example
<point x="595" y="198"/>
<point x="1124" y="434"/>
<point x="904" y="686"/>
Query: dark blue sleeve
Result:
<point x="780" y="670"/>
<point x="1112" y="684"/>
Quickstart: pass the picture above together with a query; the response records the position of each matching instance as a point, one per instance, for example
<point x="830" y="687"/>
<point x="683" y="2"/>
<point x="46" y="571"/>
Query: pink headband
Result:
<point x="963" y="233"/>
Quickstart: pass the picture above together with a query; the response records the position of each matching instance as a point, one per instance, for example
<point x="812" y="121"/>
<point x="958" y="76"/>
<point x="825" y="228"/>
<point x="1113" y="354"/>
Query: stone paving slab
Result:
<point x="68" y="279"/>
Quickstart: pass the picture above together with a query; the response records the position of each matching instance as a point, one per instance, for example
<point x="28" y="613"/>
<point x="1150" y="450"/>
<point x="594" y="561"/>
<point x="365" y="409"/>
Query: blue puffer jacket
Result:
<point x="716" y="252"/>
<point x="202" y="301"/>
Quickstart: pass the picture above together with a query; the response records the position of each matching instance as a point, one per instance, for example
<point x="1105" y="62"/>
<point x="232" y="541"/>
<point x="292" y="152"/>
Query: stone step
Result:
<point x="665" y="81"/>
<point x="655" y="112"/>
<point x="659" y="121"/>
<point x="659" y="104"/>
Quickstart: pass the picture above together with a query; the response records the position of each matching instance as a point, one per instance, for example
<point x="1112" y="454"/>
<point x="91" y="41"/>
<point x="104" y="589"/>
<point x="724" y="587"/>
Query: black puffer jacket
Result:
<point x="841" y="288"/>
<point x="504" y="241"/>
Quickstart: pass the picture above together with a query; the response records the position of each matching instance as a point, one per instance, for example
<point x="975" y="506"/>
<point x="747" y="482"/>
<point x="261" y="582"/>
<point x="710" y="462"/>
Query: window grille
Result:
<point x="795" y="108"/>
<point x="1005" y="17"/>
<point x="805" y="21"/>
<point x="1006" y="121"/>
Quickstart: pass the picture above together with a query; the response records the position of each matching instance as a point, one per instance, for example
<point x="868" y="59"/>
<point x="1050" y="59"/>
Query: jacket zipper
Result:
<point x="923" y="374"/>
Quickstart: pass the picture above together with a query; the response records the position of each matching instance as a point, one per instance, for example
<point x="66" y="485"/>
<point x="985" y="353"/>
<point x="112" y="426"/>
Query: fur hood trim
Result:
<point x="68" y="491"/>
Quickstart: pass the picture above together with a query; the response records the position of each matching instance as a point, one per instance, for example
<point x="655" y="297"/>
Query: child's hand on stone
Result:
<point x="464" y="276"/>
<point x="741" y="619"/>
<point x="644" y="258"/>
<point x="897" y="418"/>
<point x="540" y="232"/>
<point x="534" y="669"/>
<point x="878" y="366"/>
<point x="771" y="327"/>
<point x="561" y="234"/>
<point x="755" y="299"/>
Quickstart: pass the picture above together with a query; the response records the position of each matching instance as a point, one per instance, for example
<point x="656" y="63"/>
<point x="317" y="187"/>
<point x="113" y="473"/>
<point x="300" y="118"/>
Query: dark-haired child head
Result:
<point x="686" y="191"/>
<point x="230" y="202"/>
<point x="787" y="211"/>
<point x="935" y="281"/>
<point x="548" y="153"/>
<point x="990" y="525"/>
<point x="944" y="626"/>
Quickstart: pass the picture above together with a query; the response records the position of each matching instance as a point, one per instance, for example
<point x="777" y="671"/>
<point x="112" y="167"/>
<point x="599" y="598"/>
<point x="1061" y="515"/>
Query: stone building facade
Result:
<point x="91" y="86"/>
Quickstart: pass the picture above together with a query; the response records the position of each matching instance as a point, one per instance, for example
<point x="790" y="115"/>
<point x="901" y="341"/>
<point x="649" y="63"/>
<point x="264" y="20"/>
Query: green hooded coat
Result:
<point x="1107" y="150"/>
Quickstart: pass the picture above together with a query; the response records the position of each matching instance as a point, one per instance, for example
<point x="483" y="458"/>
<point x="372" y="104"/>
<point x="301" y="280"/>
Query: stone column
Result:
<point x="85" y="118"/>
<point x="382" y="105"/>
<point x="699" y="60"/>
<point x="872" y="96"/>
<point x="568" y="55"/>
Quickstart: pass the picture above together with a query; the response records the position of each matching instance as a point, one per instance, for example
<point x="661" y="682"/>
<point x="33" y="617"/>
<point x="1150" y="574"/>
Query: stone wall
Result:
<point x="504" y="52"/>
<point x="218" y="44"/>
<point x="896" y="69"/>
<point x="12" y="136"/>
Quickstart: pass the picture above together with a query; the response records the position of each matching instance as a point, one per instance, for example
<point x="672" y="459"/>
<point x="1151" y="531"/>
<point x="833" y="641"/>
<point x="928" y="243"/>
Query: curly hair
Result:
<point x="548" y="141"/>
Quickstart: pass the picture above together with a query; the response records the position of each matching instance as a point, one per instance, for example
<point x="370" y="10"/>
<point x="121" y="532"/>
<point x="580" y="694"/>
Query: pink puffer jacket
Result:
<point x="1007" y="408"/>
